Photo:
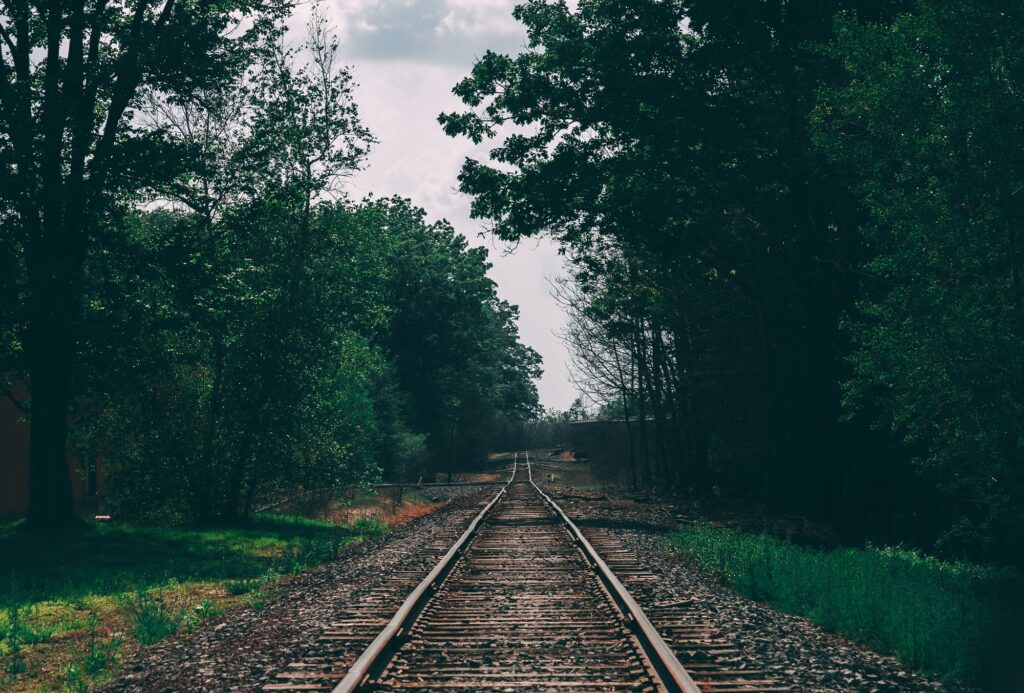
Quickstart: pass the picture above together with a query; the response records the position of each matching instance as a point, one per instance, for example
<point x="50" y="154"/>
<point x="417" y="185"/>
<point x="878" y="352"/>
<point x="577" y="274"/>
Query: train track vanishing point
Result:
<point x="522" y="600"/>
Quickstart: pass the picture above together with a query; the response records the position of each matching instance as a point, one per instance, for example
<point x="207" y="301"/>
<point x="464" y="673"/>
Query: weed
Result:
<point x="243" y="586"/>
<point x="75" y="680"/>
<point x="15" y="634"/>
<point x="18" y="630"/>
<point x="200" y="613"/>
<point x="256" y="600"/>
<point x="152" y="620"/>
<point x="15" y="661"/>
<point x="101" y="655"/>
<point x="369" y="527"/>
<point x="949" y="618"/>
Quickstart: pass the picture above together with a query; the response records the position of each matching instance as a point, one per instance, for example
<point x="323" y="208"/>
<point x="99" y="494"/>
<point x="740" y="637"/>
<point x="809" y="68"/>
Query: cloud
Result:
<point x="450" y="31"/>
<point x="479" y="17"/>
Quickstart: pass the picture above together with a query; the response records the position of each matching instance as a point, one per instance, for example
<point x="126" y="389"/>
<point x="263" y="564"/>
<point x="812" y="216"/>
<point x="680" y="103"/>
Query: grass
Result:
<point x="956" y="620"/>
<point x="72" y="607"/>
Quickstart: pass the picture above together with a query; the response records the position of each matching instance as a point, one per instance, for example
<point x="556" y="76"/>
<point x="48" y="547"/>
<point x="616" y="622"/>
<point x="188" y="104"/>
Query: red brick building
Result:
<point x="14" y="435"/>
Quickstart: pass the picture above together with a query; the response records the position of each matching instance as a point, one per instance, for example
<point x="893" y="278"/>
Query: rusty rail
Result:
<point x="665" y="662"/>
<point x="671" y="674"/>
<point x="374" y="656"/>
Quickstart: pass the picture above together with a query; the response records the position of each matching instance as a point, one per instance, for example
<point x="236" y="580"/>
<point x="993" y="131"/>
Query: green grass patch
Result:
<point x="68" y="604"/>
<point x="103" y="559"/>
<point x="957" y="620"/>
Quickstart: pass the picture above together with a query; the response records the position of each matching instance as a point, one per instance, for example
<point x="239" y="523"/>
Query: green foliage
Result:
<point x="674" y="167"/>
<point x="74" y="152"/>
<point x="204" y="610"/>
<point x="256" y="600"/>
<point x="17" y="631"/>
<point x="243" y="586"/>
<point x="369" y="527"/>
<point x="247" y="331"/>
<point x="150" y="618"/>
<point x="264" y="335"/>
<point x="75" y="680"/>
<point x="455" y="360"/>
<point x="932" y="129"/>
<point x="795" y="246"/>
<point x="955" y="619"/>
<point x="227" y="341"/>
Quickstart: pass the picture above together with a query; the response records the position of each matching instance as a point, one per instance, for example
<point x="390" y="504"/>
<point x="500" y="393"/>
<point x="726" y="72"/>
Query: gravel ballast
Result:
<point x="793" y="649"/>
<point x="243" y="648"/>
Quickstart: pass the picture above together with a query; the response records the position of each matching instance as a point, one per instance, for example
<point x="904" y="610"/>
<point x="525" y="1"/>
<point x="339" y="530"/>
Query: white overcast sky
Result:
<point x="406" y="56"/>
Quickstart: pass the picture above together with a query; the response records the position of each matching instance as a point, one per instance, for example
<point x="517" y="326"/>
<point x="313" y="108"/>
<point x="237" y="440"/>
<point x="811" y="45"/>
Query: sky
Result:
<point x="406" y="56"/>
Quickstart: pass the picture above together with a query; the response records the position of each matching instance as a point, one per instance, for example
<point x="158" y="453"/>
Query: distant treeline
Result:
<point x="189" y="296"/>
<point x="795" y="234"/>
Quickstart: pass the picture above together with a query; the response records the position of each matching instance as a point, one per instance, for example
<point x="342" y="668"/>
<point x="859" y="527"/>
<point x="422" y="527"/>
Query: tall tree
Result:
<point x="453" y="342"/>
<point x="668" y="147"/>
<point x="931" y="121"/>
<point x="71" y="72"/>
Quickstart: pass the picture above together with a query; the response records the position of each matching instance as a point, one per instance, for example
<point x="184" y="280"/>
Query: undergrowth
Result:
<point x="957" y="620"/>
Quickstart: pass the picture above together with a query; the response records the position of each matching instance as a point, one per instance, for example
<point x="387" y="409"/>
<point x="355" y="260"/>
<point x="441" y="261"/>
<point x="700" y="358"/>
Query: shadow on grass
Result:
<point x="100" y="559"/>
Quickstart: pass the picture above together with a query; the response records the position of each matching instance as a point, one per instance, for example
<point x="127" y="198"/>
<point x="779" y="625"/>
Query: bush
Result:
<point x="953" y="619"/>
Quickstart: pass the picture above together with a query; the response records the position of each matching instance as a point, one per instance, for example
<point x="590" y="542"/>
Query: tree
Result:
<point x="71" y="74"/>
<point x="930" y="119"/>
<point x="667" y="146"/>
<point x="262" y="294"/>
<point x="452" y="342"/>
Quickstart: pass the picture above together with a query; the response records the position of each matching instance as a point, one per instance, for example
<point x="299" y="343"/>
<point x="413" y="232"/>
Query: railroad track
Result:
<point x="524" y="601"/>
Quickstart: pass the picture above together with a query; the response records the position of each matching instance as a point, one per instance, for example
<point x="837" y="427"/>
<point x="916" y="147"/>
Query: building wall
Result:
<point x="14" y="437"/>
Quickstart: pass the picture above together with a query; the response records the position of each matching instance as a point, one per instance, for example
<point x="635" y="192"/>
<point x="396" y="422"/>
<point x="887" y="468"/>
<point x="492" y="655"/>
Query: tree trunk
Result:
<point x="625" y="394"/>
<point x="203" y="490"/>
<point x="51" y="347"/>
<point x="641" y="354"/>
<point x="663" y="392"/>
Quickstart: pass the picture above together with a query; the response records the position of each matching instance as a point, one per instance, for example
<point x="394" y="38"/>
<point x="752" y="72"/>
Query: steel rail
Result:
<point x="672" y="673"/>
<point x="373" y="656"/>
<point x="673" y="676"/>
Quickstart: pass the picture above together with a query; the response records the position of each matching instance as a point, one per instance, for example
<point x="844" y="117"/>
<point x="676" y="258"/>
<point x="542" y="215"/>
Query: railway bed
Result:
<point x="525" y="601"/>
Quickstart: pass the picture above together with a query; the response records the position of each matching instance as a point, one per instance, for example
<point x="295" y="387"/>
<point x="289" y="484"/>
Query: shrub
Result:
<point x="954" y="619"/>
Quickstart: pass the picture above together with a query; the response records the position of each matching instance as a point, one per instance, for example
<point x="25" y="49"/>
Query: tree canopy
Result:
<point x="213" y="318"/>
<point x="791" y="227"/>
